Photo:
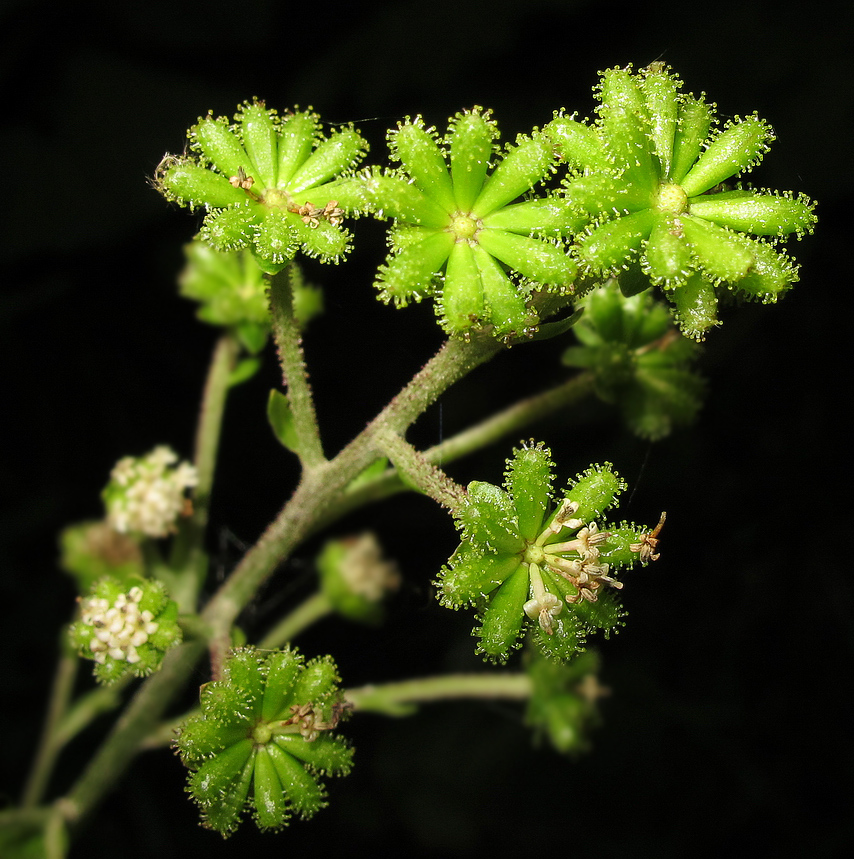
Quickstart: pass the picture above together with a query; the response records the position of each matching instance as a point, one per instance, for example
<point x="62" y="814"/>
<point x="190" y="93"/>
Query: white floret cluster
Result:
<point x="146" y="495"/>
<point x="118" y="628"/>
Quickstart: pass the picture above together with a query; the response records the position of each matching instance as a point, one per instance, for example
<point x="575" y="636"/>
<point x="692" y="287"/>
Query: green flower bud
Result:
<point x="694" y="119"/>
<point x="412" y="272"/>
<point x="659" y="91"/>
<point x="529" y="479"/>
<point x="595" y="491"/>
<point x="612" y="244"/>
<point x="578" y="144"/>
<point x="190" y="184"/>
<point x="276" y="239"/>
<point x="298" y="134"/>
<point x="91" y="550"/>
<point x="760" y="214"/>
<point x="696" y="306"/>
<point x="263" y="740"/>
<point x="418" y="148"/>
<point x="261" y="140"/>
<point x="736" y="149"/>
<point x="230" y="229"/>
<point x="667" y="258"/>
<point x="231" y="290"/>
<point x="471" y="135"/>
<point x="524" y="165"/>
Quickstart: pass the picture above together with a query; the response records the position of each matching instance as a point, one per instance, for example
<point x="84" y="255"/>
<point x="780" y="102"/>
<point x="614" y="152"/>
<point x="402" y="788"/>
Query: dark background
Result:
<point x="728" y="726"/>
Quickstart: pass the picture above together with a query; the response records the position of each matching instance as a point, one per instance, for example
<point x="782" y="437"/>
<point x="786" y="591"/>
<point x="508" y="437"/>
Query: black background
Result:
<point x="728" y="727"/>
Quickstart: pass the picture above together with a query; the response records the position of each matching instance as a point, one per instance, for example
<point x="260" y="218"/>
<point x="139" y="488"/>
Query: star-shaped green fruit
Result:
<point x="525" y="561"/>
<point x="263" y="739"/>
<point x="651" y="174"/>
<point x="459" y="235"/>
<point x="269" y="183"/>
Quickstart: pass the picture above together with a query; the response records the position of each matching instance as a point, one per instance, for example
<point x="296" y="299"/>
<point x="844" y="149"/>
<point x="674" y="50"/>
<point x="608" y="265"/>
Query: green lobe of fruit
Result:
<point x="471" y="139"/>
<point x="737" y="148"/>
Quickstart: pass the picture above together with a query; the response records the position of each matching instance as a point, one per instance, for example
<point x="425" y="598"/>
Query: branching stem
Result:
<point x="424" y="475"/>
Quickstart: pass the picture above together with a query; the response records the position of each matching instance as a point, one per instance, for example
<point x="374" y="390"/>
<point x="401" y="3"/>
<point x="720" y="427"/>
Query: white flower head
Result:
<point x="146" y="494"/>
<point x="117" y="628"/>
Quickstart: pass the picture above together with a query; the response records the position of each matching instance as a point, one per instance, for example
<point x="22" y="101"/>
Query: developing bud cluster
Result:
<point x="356" y="578"/>
<point x="640" y="362"/>
<point x="263" y="739"/>
<point x="145" y="494"/>
<point x="521" y="558"/>
<point x="125" y="630"/>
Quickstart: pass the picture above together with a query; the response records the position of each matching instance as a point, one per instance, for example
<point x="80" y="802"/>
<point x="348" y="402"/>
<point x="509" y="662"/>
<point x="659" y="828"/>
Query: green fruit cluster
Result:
<point x="459" y="236"/>
<point x="270" y="184"/>
<point x="650" y="174"/>
<point x="263" y="739"/>
<point x="527" y="563"/>
<point x="563" y="705"/>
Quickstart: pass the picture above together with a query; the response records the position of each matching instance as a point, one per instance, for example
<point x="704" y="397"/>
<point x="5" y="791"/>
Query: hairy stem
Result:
<point x="210" y="424"/>
<point x="188" y="562"/>
<point x="139" y="718"/>
<point x="321" y="486"/>
<point x="499" y="425"/>
<point x="289" y="344"/>
<point x="427" y="477"/>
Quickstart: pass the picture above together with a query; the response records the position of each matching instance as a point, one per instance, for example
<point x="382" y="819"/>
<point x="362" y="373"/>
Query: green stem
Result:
<point x="288" y="338"/>
<point x="512" y="419"/>
<point x="321" y="486"/>
<point x="210" y="425"/>
<point x="392" y="698"/>
<point x="48" y="749"/>
<point x="494" y="428"/>
<point x="317" y="491"/>
<point x="188" y="562"/>
<point x="427" y="477"/>
<point x="303" y="616"/>
<point x="139" y="718"/>
<point x="87" y="708"/>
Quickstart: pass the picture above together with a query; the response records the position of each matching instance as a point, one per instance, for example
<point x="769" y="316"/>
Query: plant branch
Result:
<point x="494" y="428"/>
<point x="210" y="425"/>
<point x="303" y="616"/>
<point x="317" y="490"/>
<point x="48" y="749"/>
<point x="395" y="699"/>
<point x="188" y="563"/>
<point x="288" y="338"/>
<point x="321" y="486"/>
<point x="139" y="718"/>
<point x="424" y="475"/>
